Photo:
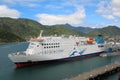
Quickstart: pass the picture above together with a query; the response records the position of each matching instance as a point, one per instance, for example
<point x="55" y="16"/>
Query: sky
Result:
<point x="87" y="13"/>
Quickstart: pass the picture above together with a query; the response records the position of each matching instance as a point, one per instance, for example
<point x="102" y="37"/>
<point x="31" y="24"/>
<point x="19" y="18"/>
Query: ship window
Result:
<point x="37" y="45"/>
<point x="50" y="45"/>
<point x="42" y="44"/>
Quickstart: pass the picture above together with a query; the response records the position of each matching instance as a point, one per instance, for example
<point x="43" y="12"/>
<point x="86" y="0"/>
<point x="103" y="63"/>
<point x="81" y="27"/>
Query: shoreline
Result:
<point x="11" y="43"/>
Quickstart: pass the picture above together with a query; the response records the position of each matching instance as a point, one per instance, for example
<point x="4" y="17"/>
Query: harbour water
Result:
<point x="55" y="71"/>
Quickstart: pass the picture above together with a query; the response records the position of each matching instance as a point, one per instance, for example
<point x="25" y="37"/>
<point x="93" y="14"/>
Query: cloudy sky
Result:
<point x="88" y="13"/>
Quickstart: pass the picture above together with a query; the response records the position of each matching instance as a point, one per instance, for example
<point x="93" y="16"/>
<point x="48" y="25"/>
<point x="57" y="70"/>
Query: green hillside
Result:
<point x="106" y="31"/>
<point x="6" y="37"/>
<point x="20" y="27"/>
<point x="25" y="28"/>
<point x="16" y="30"/>
<point x="59" y="30"/>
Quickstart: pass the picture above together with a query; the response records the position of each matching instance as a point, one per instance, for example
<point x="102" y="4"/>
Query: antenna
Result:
<point x="41" y="31"/>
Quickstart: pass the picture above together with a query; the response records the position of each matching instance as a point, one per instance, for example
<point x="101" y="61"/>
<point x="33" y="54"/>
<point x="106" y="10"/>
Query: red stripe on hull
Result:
<point x="18" y="65"/>
<point x="25" y="64"/>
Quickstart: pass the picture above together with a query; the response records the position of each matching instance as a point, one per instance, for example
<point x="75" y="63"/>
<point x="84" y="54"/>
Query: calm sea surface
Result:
<point x="56" y="71"/>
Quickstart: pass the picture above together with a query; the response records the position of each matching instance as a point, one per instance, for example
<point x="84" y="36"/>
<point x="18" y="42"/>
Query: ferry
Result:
<point x="54" y="48"/>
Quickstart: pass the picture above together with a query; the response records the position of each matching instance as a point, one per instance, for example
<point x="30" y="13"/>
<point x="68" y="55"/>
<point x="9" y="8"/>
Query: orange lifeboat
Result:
<point x="37" y="39"/>
<point x="90" y="41"/>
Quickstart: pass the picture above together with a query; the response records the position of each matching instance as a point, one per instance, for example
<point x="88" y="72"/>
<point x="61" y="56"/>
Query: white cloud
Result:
<point x="73" y="19"/>
<point x="8" y="12"/>
<point x="109" y="10"/>
<point x="8" y="1"/>
<point x="29" y="3"/>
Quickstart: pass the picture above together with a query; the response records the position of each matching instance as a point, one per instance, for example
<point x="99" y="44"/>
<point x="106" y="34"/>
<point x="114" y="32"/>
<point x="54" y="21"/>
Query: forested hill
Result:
<point x="24" y="28"/>
<point x="111" y="31"/>
<point x="20" y="27"/>
<point x="6" y="37"/>
<point x="14" y="30"/>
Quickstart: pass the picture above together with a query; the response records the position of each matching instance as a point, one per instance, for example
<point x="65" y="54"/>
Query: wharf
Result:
<point x="110" y="54"/>
<point x="114" y="54"/>
<point x="99" y="73"/>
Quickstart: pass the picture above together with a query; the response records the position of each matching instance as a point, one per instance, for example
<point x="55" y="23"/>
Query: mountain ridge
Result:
<point x="25" y="28"/>
<point x="106" y="31"/>
<point x="79" y="28"/>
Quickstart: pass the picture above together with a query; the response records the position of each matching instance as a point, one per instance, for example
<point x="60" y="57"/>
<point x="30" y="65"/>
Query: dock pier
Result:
<point x="99" y="73"/>
<point x="110" y="54"/>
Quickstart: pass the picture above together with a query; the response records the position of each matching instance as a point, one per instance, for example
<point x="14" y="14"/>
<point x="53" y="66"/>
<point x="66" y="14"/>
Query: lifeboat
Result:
<point x="90" y="41"/>
<point x="36" y="39"/>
